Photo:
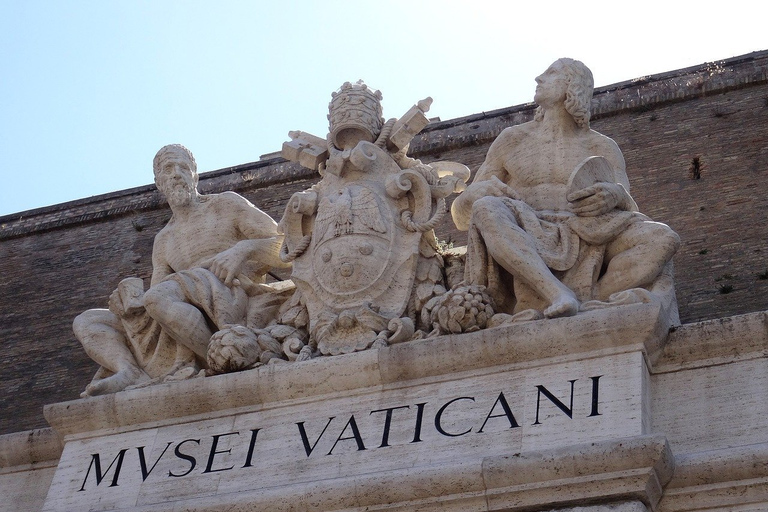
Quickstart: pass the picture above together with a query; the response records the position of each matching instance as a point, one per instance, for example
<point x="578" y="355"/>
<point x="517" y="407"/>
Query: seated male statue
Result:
<point x="209" y="263"/>
<point x="550" y="227"/>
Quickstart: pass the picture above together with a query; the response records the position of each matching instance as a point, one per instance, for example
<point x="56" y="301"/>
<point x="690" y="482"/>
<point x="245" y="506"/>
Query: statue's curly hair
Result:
<point x="173" y="149"/>
<point x="578" y="95"/>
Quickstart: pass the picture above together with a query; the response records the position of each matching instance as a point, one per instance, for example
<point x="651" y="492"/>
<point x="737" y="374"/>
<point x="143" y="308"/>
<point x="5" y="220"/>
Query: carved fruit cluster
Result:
<point x="240" y="348"/>
<point x="462" y="309"/>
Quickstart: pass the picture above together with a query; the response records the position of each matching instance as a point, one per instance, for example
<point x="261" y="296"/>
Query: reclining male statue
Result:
<point x="208" y="265"/>
<point x="552" y="227"/>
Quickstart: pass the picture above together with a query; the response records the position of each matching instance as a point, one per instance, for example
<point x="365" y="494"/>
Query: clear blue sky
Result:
<point x="90" y="90"/>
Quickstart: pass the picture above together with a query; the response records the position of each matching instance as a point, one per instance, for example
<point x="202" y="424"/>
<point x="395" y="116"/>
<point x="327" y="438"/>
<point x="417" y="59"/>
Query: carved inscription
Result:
<point x="237" y="450"/>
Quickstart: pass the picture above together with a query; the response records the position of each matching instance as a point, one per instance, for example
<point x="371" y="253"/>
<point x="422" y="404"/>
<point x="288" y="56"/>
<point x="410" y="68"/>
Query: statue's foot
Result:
<point x="624" y="298"/>
<point x="566" y="305"/>
<point x="183" y="373"/>
<point x="117" y="382"/>
<point x="527" y="315"/>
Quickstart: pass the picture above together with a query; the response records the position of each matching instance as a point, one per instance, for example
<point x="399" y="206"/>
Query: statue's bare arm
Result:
<point x="490" y="179"/>
<point x="260" y="240"/>
<point x="160" y="267"/>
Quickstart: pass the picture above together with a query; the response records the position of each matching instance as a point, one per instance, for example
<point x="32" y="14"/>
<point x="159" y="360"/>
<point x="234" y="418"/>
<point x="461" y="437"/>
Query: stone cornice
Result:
<point x="31" y="449"/>
<point x="618" y="330"/>
<point x="719" y="479"/>
<point x="714" y="342"/>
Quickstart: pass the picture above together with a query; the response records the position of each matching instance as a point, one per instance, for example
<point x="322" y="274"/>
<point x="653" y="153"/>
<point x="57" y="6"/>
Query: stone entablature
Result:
<point x="716" y="463"/>
<point x="711" y="463"/>
<point x="424" y="413"/>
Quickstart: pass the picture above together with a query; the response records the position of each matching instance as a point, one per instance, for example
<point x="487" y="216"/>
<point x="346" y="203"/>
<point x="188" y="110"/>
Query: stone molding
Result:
<point x="598" y="473"/>
<point x="635" y="468"/>
<point x="253" y="175"/>
<point x="624" y="506"/>
<point x="629" y="473"/>
<point x="623" y="329"/>
<point x="713" y="342"/>
<point x="23" y="451"/>
<point x="718" y="479"/>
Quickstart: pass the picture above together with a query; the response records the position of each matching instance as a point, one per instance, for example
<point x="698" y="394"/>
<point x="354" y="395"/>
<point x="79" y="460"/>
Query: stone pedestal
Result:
<point x="524" y="417"/>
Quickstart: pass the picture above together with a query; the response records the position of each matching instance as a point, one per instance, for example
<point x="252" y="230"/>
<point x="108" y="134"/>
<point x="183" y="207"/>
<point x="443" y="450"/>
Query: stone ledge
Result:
<point x="20" y="450"/>
<point x="718" y="479"/>
<point x="713" y="342"/>
<point x="248" y="176"/>
<point x="621" y="329"/>
<point x="624" y="469"/>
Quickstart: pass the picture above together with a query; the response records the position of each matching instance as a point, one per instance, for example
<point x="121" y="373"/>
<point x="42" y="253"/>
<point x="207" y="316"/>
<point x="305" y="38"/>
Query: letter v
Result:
<point x="304" y="438"/>
<point x="143" y="461"/>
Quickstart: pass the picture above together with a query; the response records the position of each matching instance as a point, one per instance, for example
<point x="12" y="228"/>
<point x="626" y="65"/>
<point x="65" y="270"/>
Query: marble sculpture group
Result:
<point x="552" y="232"/>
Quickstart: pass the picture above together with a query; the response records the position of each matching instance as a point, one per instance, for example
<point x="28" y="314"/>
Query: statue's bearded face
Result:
<point x="175" y="178"/>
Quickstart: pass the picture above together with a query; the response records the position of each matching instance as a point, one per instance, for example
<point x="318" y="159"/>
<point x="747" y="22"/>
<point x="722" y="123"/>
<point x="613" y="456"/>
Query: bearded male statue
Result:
<point x="209" y="264"/>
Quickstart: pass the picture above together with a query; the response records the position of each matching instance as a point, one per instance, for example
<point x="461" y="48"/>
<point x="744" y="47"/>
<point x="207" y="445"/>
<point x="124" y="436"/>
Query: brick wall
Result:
<point x="58" y="261"/>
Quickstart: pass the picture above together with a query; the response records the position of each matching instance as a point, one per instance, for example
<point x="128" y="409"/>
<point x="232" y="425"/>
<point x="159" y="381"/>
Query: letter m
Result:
<point x="96" y="465"/>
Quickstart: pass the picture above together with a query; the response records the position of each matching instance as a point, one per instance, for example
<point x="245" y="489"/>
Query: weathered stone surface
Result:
<point x="28" y="462"/>
<point x="722" y="479"/>
<point x="637" y="328"/>
<point x="533" y="472"/>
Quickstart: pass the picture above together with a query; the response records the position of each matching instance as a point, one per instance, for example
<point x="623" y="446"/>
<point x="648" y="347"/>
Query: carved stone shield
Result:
<point x="360" y="254"/>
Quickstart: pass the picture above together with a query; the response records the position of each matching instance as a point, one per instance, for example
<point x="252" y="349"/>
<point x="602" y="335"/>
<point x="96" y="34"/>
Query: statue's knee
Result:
<point x="675" y="239"/>
<point x="80" y="324"/>
<point x="487" y="210"/>
<point x="666" y="238"/>
<point x="86" y="321"/>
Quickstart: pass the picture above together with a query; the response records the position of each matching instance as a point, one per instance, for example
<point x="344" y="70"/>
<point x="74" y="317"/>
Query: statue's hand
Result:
<point x="124" y="303"/>
<point x="493" y="187"/>
<point x="597" y="199"/>
<point x="227" y="265"/>
<point x="116" y="303"/>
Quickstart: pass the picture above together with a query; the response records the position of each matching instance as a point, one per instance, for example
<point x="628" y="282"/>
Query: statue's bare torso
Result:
<point x="214" y="224"/>
<point x="537" y="163"/>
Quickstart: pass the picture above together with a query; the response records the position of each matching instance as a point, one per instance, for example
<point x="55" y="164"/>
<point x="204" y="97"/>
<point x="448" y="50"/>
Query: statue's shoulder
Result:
<point x="600" y="140"/>
<point x="163" y="236"/>
<point x="519" y="130"/>
<point x="226" y="201"/>
<point x="226" y="196"/>
<point x="235" y="199"/>
<point x="514" y="135"/>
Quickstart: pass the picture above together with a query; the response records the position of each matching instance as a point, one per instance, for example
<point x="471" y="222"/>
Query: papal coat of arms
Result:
<point x="361" y="241"/>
